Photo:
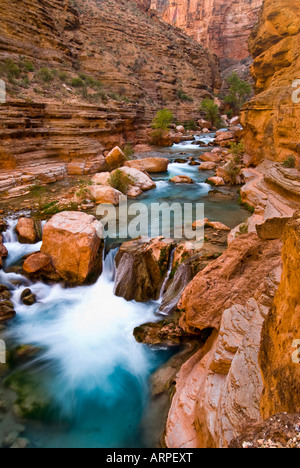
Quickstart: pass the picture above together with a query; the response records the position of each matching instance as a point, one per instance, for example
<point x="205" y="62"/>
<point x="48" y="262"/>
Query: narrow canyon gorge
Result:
<point x="150" y="224"/>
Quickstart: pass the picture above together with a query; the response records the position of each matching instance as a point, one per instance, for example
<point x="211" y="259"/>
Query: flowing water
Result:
<point x="89" y="381"/>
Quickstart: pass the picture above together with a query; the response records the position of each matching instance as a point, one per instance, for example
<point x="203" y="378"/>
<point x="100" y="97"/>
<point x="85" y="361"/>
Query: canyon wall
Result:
<point x="272" y="119"/>
<point x="221" y="26"/>
<point x="91" y="74"/>
<point x="279" y="358"/>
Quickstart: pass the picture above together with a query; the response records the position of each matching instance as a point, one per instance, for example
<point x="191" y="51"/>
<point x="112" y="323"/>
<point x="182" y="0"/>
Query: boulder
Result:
<point x="38" y="266"/>
<point x="204" y="124"/>
<point x="105" y="194"/>
<point x="180" y="129"/>
<point x="272" y="228"/>
<point x="72" y="241"/>
<point x="210" y="157"/>
<point x="7" y="311"/>
<point x="207" y="166"/>
<point x="27" y="297"/>
<point x="27" y="231"/>
<point x="217" y="181"/>
<point x="181" y="179"/>
<point x="235" y="121"/>
<point x="141" y="267"/>
<point x="141" y="180"/>
<point x="101" y="178"/>
<point x="115" y="158"/>
<point x="151" y="165"/>
<point x="224" y="136"/>
<point x="134" y="192"/>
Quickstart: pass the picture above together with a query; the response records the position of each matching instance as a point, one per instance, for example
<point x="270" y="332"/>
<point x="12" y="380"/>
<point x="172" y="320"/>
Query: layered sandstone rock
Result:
<point x="279" y="353"/>
<point x="72" y="242"/>
<point x="271" y="119"/>
<point x="227" y="281"/>
<point x="218" y="389"/>
<point x="222" y="26"/>
<point x="55" y="120"/>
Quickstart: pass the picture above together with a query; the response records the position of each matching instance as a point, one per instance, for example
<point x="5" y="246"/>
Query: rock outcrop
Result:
<point x="280" y="344"/>
<point x="141" y="267"/>
<point x="218" y="389"/>
<point x="271" y="119"/>
<point x="72" y="242"/>
<point x="227" y="281"/>
<point x="220" y="25"/>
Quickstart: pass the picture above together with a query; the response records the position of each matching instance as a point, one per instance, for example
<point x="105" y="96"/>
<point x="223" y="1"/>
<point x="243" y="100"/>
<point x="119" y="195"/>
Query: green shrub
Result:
<point x="163" y="119"/>
<point x="183" y="96"/>
<point x="238" y="150"/>
<point x="10" y="69"/>
<point x="128" y="151"/>
<point x="239" y="92"/>
<point x="120" y="181"/>
<point x="290" y="162"/>
<point x="244" y="229"/>
<point x="158" y="136"/>
<point x="211" y="111"/>
<point x="77" y="83"/>
<point x="37" y="190"/>
<point x="46" y="75"/>
<point x="28" y="66"/>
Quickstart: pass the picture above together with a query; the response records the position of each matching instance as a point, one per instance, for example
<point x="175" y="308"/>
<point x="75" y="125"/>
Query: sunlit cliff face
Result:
<point x="221" y="25"/>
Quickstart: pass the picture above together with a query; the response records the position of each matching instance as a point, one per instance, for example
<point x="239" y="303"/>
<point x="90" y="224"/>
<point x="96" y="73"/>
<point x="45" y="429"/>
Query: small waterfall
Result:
<point x="16" y="250"/>
<point x="162" y="291"/>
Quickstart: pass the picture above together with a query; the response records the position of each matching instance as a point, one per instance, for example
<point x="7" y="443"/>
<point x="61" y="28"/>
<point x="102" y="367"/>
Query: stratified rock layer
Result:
<point x="222" y="26"/>
<point x="279" y="354"/>
<point x="272" y="119"/>
<point x="139" y="63"/>
<point x="218" y="390"/>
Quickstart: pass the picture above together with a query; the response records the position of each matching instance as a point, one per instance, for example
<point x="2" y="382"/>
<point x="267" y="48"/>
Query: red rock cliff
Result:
<point x="220" y="25"/>
<point x="272" y="118"/>
<point x="139" y="63"/>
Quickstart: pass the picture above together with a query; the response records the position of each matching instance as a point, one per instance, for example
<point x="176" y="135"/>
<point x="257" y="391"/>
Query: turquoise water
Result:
<point x="92" y="374"/>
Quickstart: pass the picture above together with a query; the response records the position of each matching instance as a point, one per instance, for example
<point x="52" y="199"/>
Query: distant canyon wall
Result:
<point x="223" y="26"/>
<point x="272" y="118"/>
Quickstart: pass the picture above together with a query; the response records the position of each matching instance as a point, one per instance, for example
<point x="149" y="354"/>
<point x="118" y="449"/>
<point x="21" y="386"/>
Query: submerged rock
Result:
<point x="27" y="297"/>
<point x="7" y="311"/>
<point x="181" y="180"/>
<point x="141" y="267"/>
